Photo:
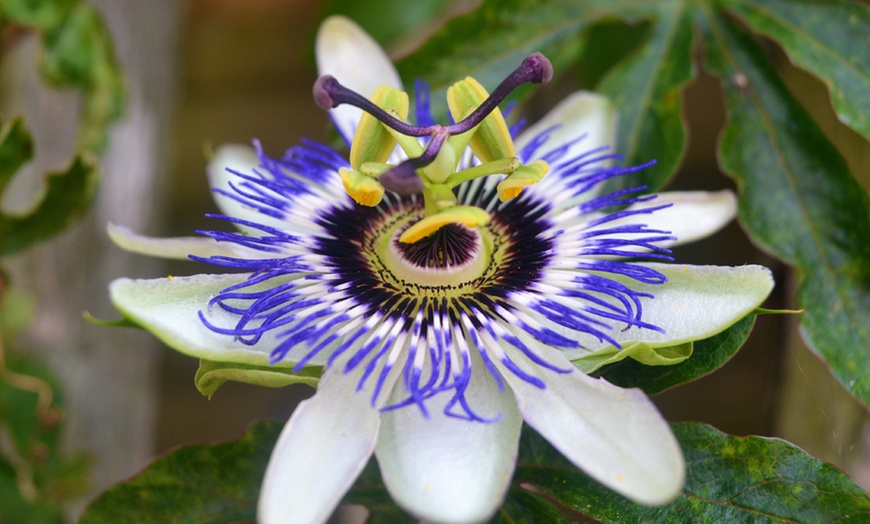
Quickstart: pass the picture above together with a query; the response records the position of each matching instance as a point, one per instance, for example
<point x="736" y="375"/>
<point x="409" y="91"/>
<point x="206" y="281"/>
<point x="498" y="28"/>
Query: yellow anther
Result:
<point x="522" y="177"/>
<point x="372" y="142"/>
<point x="492" y="139"/>
<point x="468" y="216"/>
<point x="365" y="191"/>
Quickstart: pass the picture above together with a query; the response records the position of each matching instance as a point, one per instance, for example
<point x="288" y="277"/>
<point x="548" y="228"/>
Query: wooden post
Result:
<point x="108" y="374"/>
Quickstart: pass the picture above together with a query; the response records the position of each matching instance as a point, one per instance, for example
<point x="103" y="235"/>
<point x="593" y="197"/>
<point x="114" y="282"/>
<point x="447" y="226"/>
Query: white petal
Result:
<point x="320" y="452"/>
<point x="582" y="114"/>
<point x="178" y="247"/>
<point x="699" y="301"/>
<point x="615" y="435"/>
<point x="695" y="303"/>
<point x="345" y="51"/>
<point x="227" y="158"/>
<point x="445" y="469"/>
<point x="169" y="308"/>
<point x="693" y="215"/>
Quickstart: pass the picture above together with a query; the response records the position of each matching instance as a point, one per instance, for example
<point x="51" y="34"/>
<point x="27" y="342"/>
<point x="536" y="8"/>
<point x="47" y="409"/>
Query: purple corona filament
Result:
<point x="329" y="93"/>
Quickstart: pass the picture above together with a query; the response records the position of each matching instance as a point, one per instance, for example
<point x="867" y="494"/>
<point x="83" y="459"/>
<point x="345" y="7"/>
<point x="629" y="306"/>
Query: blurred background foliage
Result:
<point x="682" y="70"/>
<point x="38" y="475"/>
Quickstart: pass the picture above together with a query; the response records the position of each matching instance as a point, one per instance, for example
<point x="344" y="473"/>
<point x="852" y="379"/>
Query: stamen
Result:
<point x="403" y="178"/>
<point x="535" y="69"/>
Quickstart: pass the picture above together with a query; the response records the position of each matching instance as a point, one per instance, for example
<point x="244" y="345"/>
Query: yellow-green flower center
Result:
<point x="452" y="261"/>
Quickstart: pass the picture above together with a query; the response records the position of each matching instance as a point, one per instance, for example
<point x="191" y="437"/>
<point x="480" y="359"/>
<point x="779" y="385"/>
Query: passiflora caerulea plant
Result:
<point x="451" y="281"/>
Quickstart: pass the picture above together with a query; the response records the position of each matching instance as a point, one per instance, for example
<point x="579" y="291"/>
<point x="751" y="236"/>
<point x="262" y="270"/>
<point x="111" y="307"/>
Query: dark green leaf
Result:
<point x="492" y="41"/>
<point x="756" y="475"/>
<point x="798" y="200"/>
<point x="67" y="197"/>
<point x="369" y="491"/>
<point x="728" y="479"/>
<point x="647" y="90"/>
<point x="16" y="149"/>
<point x="14" y="508"/>
<point x="204" y="484"/>
<point x="709" y="355"/>
<point x="521" y="505"/>
<point x="388" y="21"/>
<point x="829" y="38"/>
<point x="606" y="43"/>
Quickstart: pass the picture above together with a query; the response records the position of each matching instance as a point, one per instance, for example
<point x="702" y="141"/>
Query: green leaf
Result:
<point x="212" y="375"/>
<point x="709" y="355"/>
<point x="389" y="21"/>
<point x="647" y="90"/>
<point x="218" y="484"/>
<point x="606" y="43"/>
<point x="15" y="508"/>
<point x="828" y="38"/>
<point x="206" y="484"/>
<point x="646" y="87"/>
<point x="521" y="505"/>
<point x="16" y="149"/>
<point x="728" y="479"/>
<point x="67" y="197"/>
<point x="492" y="41"/>
<point x="79" y="53"/>
<point x="369" y="491"/>
<point x="43" y="14"/>
<point x="799" y="201"/>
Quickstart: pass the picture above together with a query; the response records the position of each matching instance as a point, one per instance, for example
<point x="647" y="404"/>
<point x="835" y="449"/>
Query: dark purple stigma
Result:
<point x="329" y="93"/>
<point x="403" y="178"/>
